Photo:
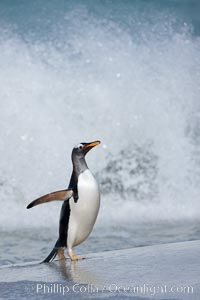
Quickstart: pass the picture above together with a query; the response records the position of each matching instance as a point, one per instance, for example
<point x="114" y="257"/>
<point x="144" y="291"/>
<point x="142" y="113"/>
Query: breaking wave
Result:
<point x="128" y="76"/>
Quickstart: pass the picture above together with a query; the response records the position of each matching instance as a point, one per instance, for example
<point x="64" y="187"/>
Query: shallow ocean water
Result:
<point x="35" y="244"/>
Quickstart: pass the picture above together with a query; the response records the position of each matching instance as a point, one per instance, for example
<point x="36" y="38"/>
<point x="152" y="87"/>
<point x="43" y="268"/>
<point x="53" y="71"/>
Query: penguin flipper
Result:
<point x="59" y="195"/>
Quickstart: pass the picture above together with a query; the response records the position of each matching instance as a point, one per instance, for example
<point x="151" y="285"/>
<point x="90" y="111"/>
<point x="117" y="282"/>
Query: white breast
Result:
<point x="84" y="212"/>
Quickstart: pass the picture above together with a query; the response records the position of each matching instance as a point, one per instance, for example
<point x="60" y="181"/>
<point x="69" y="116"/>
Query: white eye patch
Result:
<point x="79" y="146"/>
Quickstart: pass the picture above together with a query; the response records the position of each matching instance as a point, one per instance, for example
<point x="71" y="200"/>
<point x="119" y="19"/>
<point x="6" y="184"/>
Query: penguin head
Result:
<point x="82" y="149"/>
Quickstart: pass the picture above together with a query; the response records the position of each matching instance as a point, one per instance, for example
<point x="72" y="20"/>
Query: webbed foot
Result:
<point x="61" y="255"/>
<point x="73" y="257"/>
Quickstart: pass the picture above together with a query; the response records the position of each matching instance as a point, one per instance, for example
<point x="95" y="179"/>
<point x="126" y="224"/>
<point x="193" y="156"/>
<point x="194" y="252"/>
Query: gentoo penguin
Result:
<point x="80" y="207"/>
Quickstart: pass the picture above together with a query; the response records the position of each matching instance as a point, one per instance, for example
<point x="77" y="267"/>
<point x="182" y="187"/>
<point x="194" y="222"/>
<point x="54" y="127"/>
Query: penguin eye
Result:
<point x="80" y="147"/>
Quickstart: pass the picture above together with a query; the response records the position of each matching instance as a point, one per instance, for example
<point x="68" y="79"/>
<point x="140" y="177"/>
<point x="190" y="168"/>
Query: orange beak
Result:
<point x="88" y="146"/>
<point x="92" y="144"/>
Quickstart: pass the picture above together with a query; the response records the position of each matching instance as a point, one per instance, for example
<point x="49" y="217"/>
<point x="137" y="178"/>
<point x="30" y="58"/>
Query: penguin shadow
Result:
<point x="75" y="271"/>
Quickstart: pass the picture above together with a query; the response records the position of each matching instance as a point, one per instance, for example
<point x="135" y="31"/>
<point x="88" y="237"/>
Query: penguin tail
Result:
<point x="52" y="254"/>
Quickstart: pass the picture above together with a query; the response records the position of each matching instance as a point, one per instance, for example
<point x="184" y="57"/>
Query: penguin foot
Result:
<point x="73" y="257"/>
<point x="61" y="254"/>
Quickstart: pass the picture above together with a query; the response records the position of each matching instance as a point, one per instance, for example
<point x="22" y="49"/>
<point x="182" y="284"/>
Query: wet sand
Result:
<point x="169" y="271"/>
